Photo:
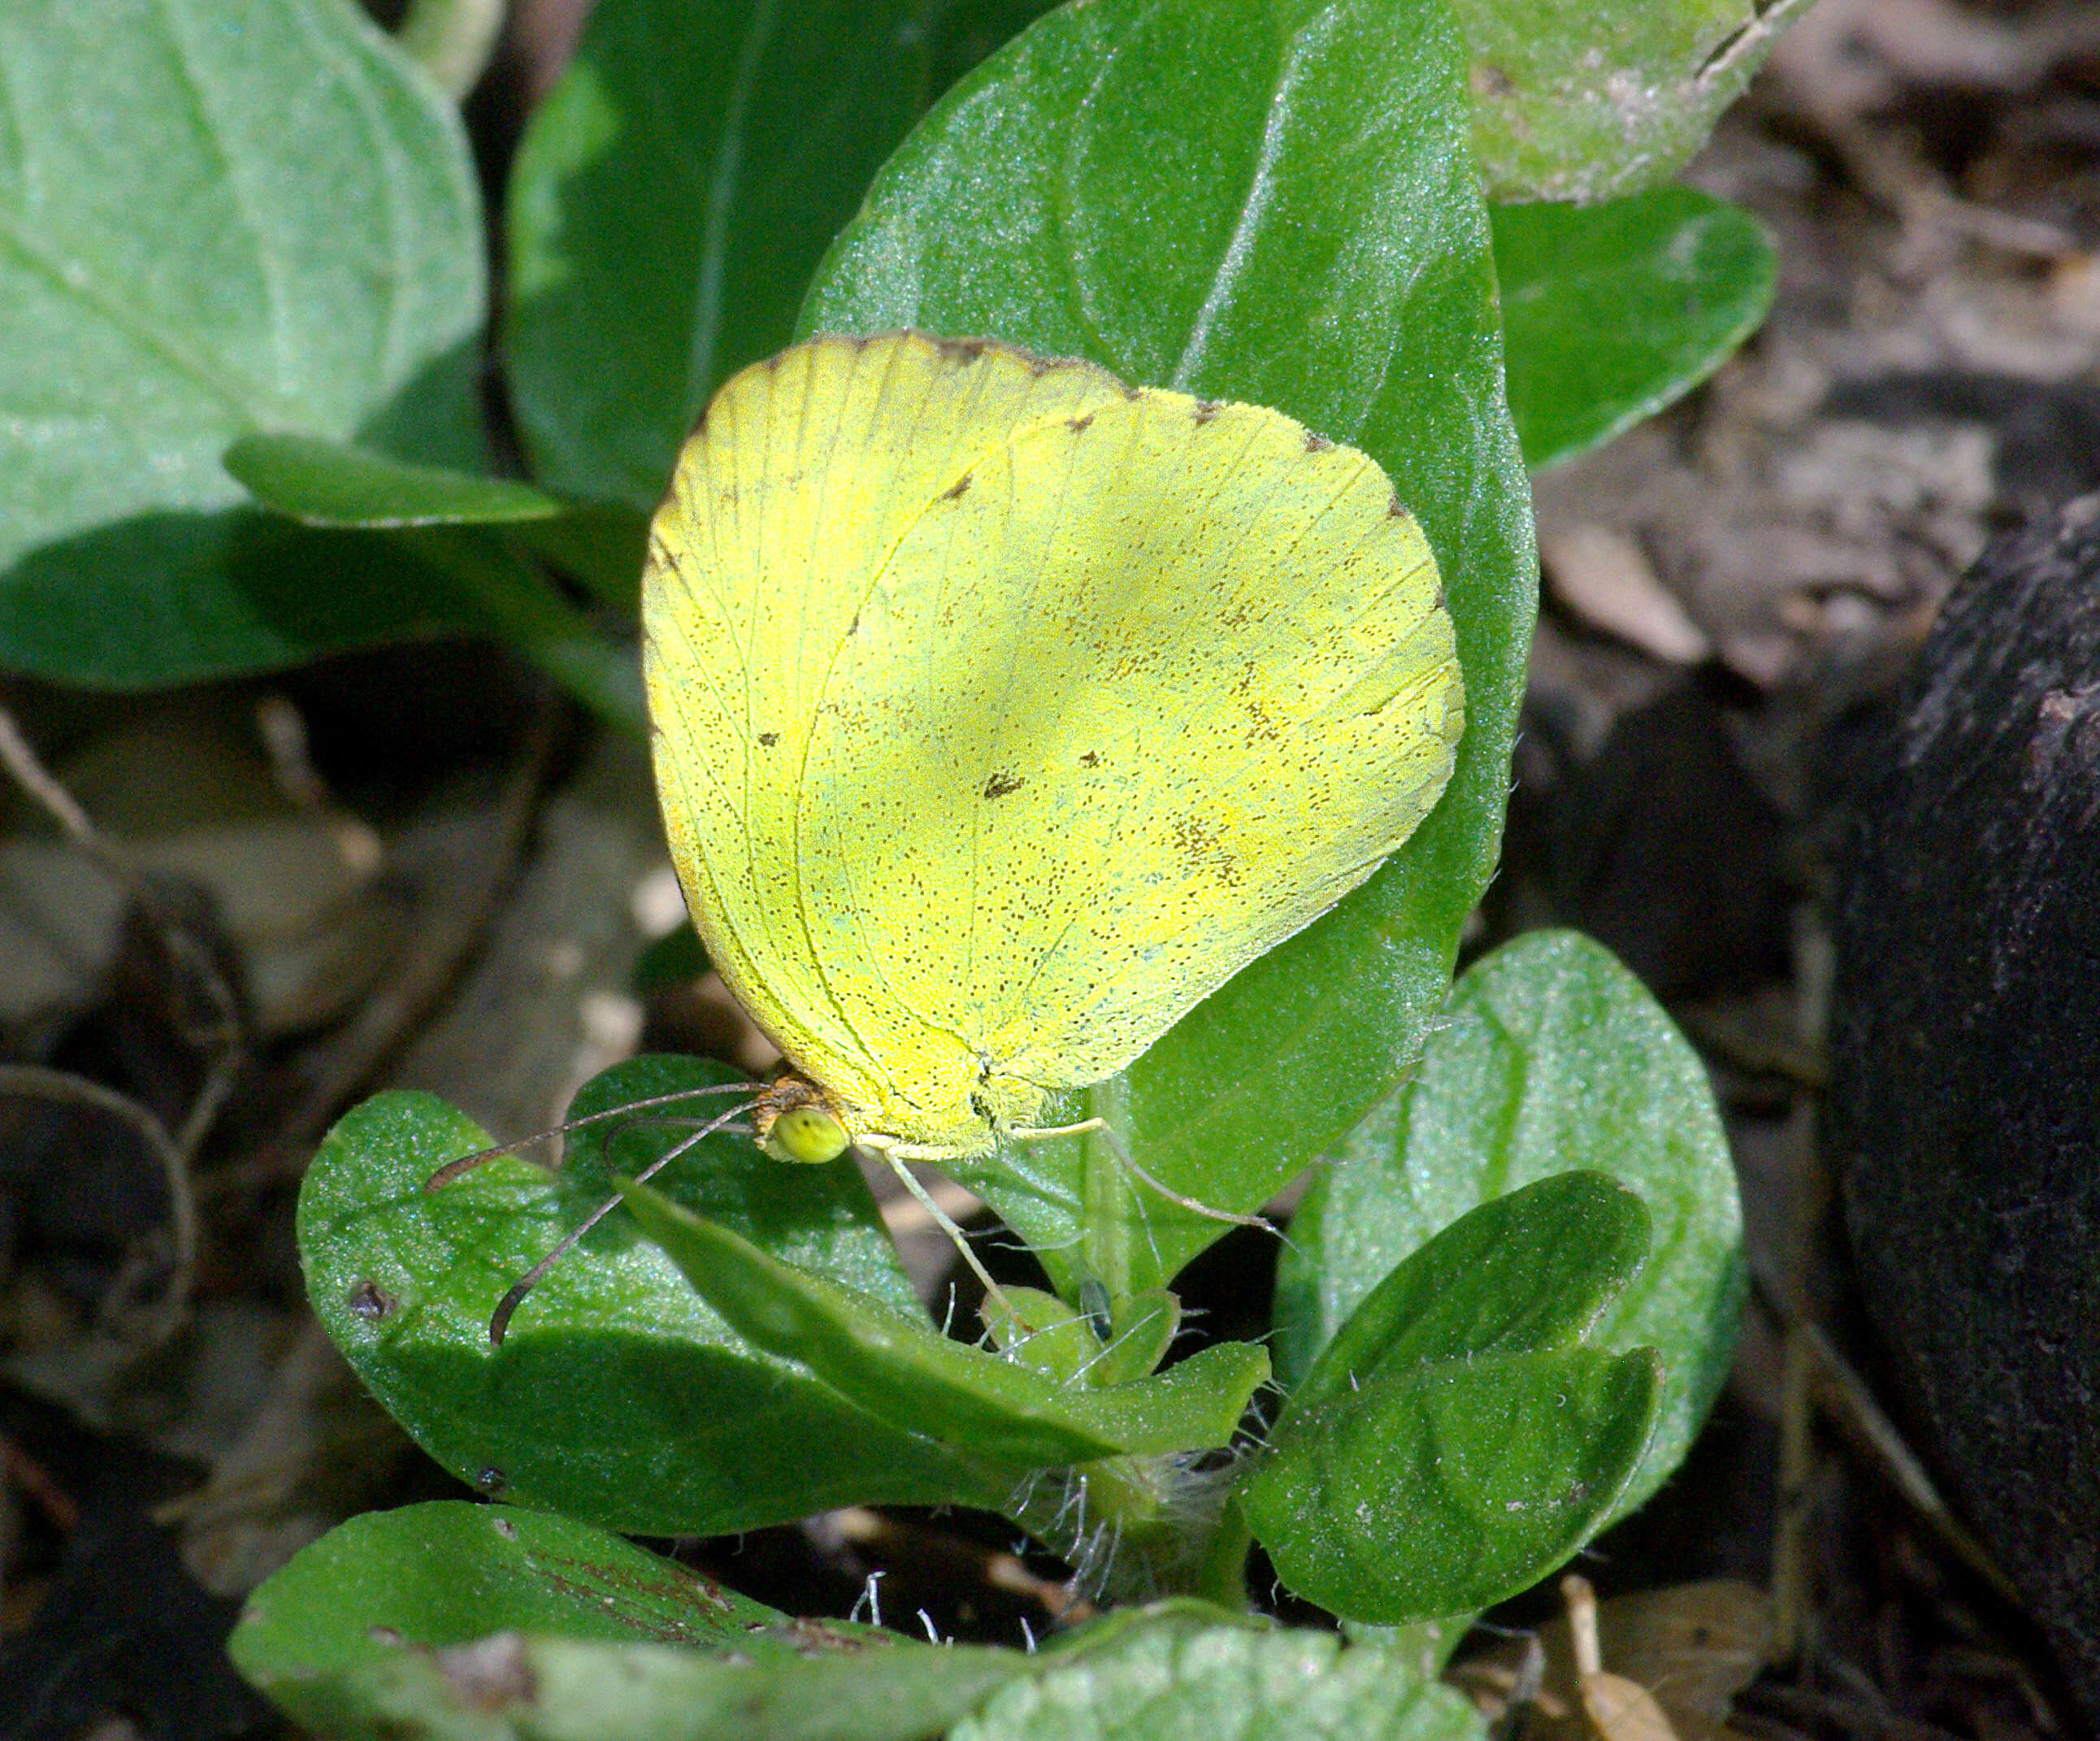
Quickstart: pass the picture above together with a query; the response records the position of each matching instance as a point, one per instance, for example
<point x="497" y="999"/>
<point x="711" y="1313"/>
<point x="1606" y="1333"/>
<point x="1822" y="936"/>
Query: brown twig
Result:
<point x="443" y="941"/>
<point x="1826" y="1379"/>
<point x="34" y="1081"/>
<point x="224" y="1040"/>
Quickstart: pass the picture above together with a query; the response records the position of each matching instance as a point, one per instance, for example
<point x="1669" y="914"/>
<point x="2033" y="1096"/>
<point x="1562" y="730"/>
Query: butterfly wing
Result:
<point x="1093" y="696"/>
<point x="791" y="496"/>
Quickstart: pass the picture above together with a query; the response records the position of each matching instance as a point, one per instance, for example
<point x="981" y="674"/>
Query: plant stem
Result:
<point x="1222" y="1576"/>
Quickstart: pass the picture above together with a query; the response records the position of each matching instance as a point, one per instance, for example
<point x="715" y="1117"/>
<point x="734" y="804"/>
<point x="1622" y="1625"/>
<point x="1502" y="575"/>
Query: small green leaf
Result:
<point x="1271" y="202"/>
<point x="1610" y="312"/>
<point x="1530" y="1272"/>
<point x="1040" y="1330"/>
<point x="899" y="1369"/>
<point x="470" y="1623"/>
<point x="1455" y="1440"/>
<point x="673" y="193"/>
<point x="1179" y="1673"/>
<point x="334" y="484"/>
<point x="219" y="217"/>
<point x="1441" y="1490"/>
<point x="1142" y="1328"/>
<point x="618" y="1396"/>
<point x="1577" y="101"/>
<point x="1552" y="1056"/>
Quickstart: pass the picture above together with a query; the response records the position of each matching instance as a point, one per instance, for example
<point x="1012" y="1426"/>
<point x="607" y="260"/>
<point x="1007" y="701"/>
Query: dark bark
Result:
<point x="1965" y="1115"/>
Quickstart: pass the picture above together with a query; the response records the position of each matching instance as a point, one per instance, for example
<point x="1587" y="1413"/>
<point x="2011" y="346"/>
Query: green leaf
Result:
<point x="1142" y="1328"/>
<point x="1577" y="101"/>
<point x="898" y="1368"/>
<point x="454" y="1620"/>
<point x="1552" y="1056"/>
<point x="1271" y="202"/>
<point x="618" y="1396"/>
<point x="1611" y="312"/>
<point x="1181" y="1673"/>
<point x="168" y="598"/>
<point x="1456" y="1440"/>
<point x="334" y="484"/>
<point x="673" y="193"/>
<point x="1444" y="1489"/>
<point x="214" y="219"/>
<point x="450" y="1571"/>
<point x="1532" y="1271"/>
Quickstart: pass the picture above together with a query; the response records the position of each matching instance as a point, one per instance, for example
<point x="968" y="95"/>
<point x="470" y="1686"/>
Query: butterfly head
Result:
<point x="795" y="1122"/>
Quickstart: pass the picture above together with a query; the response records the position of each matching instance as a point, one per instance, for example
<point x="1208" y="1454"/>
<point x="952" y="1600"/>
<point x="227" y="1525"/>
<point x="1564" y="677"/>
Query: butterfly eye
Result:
<point x="808" y="1134"/>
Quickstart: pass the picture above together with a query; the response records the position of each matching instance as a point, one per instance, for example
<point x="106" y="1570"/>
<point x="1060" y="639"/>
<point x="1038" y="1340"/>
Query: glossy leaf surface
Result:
<point x="674" y="193"/>
<point x="1577" y="101"/>
<point x="1458" y="1439"/>
<point x="217" y="218"/>
<point x="899" y="1368"/>
<point x="1551" y="1056"/>
<point x="1272" y="203"/>
<point x="1610" y="312"/>
<point x="619" y="1396"/>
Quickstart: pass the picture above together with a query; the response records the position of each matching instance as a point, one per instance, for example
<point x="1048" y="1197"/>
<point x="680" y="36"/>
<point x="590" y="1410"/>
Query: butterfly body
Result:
<point x="1002" y="712"/>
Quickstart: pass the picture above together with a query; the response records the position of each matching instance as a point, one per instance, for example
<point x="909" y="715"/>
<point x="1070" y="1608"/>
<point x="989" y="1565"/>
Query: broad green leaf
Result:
<point x="1551" y="1056"/>
<point x="181" y="597"/>
<point x="217" y="218"/>
<point x="900" y="1370"/>
<point x="1271" y="202"/>
<point x="673" y="193"/>
<point x="1445" y="1487"/>
<point x="335" y="483"/>
<point x="1577" y="101"/>
<point x="451" y="1620"/>
<point x="1610" y="312"/>
<point x="1456" y="1440"/>
<point x="1179" y="1674"/>
<point x="1530" y="1272"/>
<point x="619" y="1396"/>
<point x="449" y="1571"/>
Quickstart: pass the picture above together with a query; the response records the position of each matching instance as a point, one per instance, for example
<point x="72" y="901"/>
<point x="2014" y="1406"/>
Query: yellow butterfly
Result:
<point x="1002" y="711"/>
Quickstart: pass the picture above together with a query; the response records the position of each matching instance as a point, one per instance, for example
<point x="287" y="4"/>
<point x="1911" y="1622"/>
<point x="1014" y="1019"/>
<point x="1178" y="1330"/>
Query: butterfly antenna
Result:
<point x="499" y="1320"/>
<point x="1109" y="1135"/>
<point x="453" y="1169"/>
<point x="993" y="1291"/>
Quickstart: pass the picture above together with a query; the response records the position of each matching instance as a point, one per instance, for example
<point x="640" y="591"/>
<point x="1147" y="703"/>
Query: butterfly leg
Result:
<point x="946" y="1224"/>
<point x="1109" y="1135"/>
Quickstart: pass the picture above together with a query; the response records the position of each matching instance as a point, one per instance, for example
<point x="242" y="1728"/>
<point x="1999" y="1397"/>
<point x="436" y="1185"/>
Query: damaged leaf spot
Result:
<point x="369" y="1301"/>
